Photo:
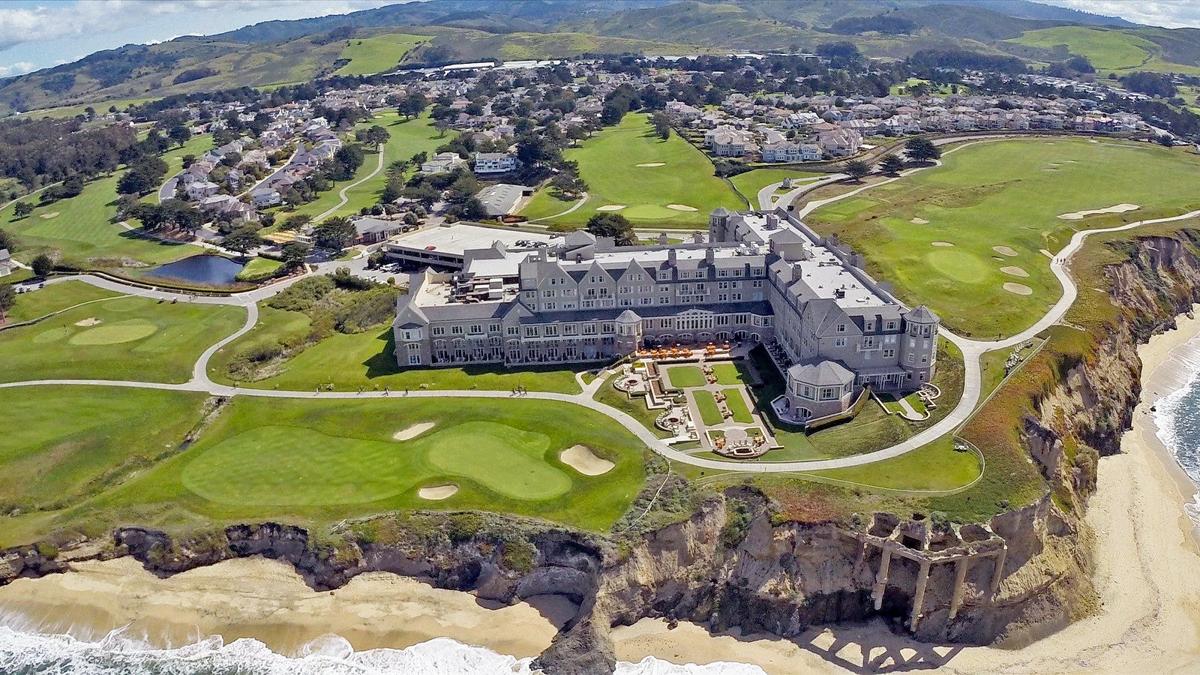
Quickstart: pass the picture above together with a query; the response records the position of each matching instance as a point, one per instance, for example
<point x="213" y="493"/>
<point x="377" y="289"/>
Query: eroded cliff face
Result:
<point x="732" y="563"/>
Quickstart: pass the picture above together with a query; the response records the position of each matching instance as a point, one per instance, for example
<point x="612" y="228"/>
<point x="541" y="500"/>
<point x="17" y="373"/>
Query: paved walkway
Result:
<point x="972" y="351"/>
<point x="342" y="193"/>
<point x="574" y="207"/>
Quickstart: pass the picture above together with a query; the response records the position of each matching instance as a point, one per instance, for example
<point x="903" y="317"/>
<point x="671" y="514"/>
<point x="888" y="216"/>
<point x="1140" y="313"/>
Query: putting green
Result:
<point x="51" y="335"/>
<point x="290" y="466"/>
<point x="648" y="212"/>
<point x="124" y="331"/>
<point x="958" y="265"/>
<point x="504" y="459"/>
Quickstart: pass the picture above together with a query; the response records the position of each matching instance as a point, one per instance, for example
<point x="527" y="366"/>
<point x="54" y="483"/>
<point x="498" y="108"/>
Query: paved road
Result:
<point x="972" y="350"/>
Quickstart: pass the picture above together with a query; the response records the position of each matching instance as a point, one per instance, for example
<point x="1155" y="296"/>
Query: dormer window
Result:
<point x="841" y="328"/>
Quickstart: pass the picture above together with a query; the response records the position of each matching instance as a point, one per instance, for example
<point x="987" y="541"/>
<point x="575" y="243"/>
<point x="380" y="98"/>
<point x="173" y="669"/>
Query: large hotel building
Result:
<point x="760" y="277"/>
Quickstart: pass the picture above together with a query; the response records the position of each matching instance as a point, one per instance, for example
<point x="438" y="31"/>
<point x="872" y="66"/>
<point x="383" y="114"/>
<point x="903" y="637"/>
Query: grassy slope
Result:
<point x="316" y="462"/>
<point x="137" y="339"/>
<point x="1006" y="193"/>
<point x="377" y="54"/>
<point x="366" y="360"/>
<point x="1108" y="49"/>
<point x="608" y="163"/>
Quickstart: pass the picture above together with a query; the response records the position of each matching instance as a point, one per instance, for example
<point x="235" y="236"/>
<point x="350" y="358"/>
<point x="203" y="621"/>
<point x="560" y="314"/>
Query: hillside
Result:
<point x="376" y="40"/>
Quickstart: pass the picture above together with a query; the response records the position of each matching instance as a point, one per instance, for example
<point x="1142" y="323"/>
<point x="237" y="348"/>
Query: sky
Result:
<point x="38" y="34"/>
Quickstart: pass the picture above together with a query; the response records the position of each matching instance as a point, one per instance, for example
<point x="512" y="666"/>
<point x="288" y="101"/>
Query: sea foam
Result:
<point x="25" y="652"/>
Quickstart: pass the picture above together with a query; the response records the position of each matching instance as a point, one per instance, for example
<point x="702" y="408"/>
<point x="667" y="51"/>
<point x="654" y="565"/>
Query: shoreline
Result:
<point x="268" y="601"/>
<point x="1146" y="555"/>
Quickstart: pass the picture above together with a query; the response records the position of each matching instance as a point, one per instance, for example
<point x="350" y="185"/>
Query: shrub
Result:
<point x="365" y="309"/>
<point x="303" y="295"/>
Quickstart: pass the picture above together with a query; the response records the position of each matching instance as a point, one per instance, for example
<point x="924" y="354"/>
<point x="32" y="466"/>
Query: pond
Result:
<point x="208" y="270"/>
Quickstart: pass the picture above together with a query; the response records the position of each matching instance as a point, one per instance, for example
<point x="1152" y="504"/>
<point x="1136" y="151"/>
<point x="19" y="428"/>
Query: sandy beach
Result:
<point x="268" y="601"/>
<point x="1148" y="575"/>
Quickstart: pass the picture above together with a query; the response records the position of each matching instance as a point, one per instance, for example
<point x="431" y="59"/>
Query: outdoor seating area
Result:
<point x="913" y="407"/>
<point x="644" y="379"/>
<point x="739" y="442"/>
<point x="679" y="352"/>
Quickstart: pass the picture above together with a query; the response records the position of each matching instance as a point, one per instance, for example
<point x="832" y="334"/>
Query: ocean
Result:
<point x="1177" y="416"/>
<point x="26" y="651"/>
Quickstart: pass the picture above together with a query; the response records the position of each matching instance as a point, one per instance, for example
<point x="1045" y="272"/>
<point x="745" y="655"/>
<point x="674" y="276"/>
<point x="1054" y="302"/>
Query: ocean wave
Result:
<point x="26" y="652"/>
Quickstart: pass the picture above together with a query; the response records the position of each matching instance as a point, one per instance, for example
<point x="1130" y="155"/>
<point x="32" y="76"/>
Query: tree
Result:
<point x="6" y="241"/>
<point x="294" y="254"/>
<point x="42" y="265"/>
<point x="662" y="125"/>
<point x="412" y="105"/>
<point x="612" y="225"/>
<point x="22" y="209"/>
<point x="857" y="169"/>
<point x="8" y="298"/>
<point x="296" y="221"/>
<point x="472" y="209"/>
<point x="373" y="135"/>
<point x="922" y="150"/>
<point x="179" y="134"/>
<point x="143" y="176"/>
<point x="242" y="240"/>
<point x="891" y="164"/>
<point x="334" y="233"/>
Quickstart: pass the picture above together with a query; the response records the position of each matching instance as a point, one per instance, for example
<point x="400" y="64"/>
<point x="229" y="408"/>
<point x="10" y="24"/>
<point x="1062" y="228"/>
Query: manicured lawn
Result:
<point x="1003" y="194"/>
<point x="366" y="360"/>
<point x="543" y="204"/>
<point x="378" y="54"/>
<point x="730" y="373"/>
<point x="936" y="466"/>
<point x="686" y="376"/>
<point x="710" y="414"/>
<point x="119" y="339"/>
<point x="75" y="441"/>
<point x="609" y="161"/>
<point x="54" y="298"/>
<point x="80" y="228"/>
<point x="750" y="182"/>
<point x="737" y="405"/>
<point x="321" y="461"/>
<point x="259" y="268"/>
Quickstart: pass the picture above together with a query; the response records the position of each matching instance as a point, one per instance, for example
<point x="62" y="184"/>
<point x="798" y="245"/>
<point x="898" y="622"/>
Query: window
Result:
<point x="493" y="328"/>
<point x="476" y="328"/>
<point x="456" y="330"/>
<point x="841" y="328"/>
<point x="889" y="353"/>
<point x="439" y="330"/>
<point x="839" y="342"/>
<point x="414" y="359"/>
<point x="513" y="330"/>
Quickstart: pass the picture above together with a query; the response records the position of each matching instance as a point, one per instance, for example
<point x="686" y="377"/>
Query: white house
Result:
<point x="494" y="162"/>
<point x="443" y="162"/>
<point x="6" y="263"/>
<point x="198" y="190"/>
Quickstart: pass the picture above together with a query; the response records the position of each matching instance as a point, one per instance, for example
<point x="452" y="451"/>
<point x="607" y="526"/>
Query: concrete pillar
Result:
<point x="960" y="576"/>
<point x="919" y="598"/>
<point x="998" y="573"/>
<point x="882" y="577"/>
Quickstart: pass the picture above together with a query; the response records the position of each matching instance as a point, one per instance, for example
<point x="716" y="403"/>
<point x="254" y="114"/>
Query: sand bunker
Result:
<point x="652" y="164"/>
<point x="919" y="221"/>
<point x="1079" y="215"/>
<point x="680" y="207"/>
<point x="413" y="431"/>
<point x="1014" y="271"/>
<point x="1047" y="253"/>
<point x="942" y="244"/>
<point x="1019" y="289"/>
<point x="1005" y="250"/>
<point x="88" y="322"/>
<point x="48" y="216"/>
<point x="610" y="207"/>
<point x="582" y="459"/>
<point x="438" y="492"/>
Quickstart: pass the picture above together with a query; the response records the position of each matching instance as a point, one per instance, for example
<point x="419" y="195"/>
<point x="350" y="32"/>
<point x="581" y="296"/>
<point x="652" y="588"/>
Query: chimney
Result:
<point x="797" y="272"/>
<point x="772" y="221"/>
<point x="697" y="237"/>
<point x="662" y="239"/>
<point x="672" y="257"/>
<point x="710" y="255"/>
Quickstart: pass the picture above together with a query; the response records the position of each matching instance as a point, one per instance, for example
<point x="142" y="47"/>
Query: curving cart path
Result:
<point x="972" y="351"/>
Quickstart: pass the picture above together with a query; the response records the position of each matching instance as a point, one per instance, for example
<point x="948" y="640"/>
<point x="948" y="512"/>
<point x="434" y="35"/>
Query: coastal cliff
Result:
<point x="737" y="561"/>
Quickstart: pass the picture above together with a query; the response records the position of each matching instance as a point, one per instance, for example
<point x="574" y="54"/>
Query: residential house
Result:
<point x="442" y="162"/>
<point x="6" y="262"/>
<point x="839" y="143"/>
<point x="494" y="162"/>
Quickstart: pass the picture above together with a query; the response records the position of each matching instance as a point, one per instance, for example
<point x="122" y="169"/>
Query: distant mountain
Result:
<point x="276" y="52"/>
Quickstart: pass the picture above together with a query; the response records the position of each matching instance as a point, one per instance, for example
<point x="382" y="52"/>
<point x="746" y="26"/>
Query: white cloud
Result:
<point x="1168" y="13"/>
<point x="18" y="68"/>
<point x="22" y="25"/>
